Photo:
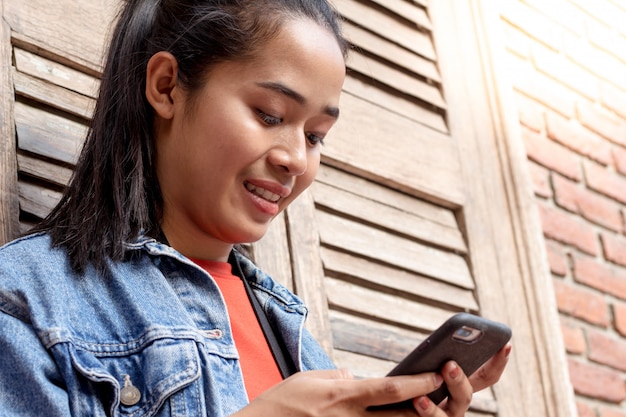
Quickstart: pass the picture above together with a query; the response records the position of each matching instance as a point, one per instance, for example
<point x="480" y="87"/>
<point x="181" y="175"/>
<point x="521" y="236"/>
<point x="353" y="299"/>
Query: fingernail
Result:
<point x="454" y="371"/>
<point x="423" y="403"/>
<point x="507" y="350"/>
<point x="438" y="380"/>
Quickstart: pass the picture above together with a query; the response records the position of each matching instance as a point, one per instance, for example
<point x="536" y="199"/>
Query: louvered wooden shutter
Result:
<point x="56" y="49"/>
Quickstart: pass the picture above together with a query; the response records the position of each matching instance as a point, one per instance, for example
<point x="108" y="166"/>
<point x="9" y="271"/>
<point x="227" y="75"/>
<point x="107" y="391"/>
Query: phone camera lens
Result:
<point x="467" y="334"/>
<point x="463" y="332"/>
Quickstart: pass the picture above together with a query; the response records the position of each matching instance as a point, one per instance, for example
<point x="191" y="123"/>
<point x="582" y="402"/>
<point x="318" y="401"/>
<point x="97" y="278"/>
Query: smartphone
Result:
<point x="465" y="338"/>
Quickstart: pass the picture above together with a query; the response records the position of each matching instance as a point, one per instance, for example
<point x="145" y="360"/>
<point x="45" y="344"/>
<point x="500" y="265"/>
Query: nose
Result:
<point x="290" y="154"/>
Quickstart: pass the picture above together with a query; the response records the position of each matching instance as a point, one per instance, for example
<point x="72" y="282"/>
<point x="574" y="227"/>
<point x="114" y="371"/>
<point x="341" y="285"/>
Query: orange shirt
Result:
<point x="259" y="368"/>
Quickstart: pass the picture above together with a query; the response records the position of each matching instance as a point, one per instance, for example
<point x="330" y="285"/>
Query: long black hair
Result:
<point x="114" y="194"/>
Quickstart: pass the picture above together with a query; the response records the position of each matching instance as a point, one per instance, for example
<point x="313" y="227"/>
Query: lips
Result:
<point x="262" y="192"/>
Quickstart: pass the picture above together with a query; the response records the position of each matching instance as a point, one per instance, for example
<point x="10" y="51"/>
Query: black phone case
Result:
<point x="440" y="347"/>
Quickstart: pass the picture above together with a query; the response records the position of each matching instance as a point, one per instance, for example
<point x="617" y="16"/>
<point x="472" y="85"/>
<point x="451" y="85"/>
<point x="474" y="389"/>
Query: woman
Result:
<point x="128" y="299"/>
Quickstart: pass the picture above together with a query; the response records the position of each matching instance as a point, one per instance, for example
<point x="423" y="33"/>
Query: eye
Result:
<point x="268" y="119"/>
<point x="314" y="139"/>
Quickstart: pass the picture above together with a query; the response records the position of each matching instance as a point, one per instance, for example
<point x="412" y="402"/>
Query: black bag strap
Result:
<point x="283" y="360"/>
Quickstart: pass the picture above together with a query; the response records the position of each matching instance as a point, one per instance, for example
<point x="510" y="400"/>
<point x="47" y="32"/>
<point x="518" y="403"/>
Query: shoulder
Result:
<point x="28" y="267"/>
<point x="28" y="252"/>
<point x="32" y="258"/>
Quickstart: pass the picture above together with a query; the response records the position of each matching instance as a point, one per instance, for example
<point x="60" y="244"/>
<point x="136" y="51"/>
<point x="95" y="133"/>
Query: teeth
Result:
<point x="261" y="192"/>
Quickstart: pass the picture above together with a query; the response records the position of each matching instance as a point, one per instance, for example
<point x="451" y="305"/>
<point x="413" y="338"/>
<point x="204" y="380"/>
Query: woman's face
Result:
<point x="250" y="142"/>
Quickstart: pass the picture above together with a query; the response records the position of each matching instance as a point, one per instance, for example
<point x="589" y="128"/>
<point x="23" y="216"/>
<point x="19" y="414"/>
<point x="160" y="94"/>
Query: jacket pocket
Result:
<point x="138" y="379"/>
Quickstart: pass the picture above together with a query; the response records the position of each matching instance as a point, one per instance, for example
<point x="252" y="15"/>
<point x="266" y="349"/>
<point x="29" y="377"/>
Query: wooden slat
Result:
<point x="422" y="3"/>
<point x="407" y="11"/>
<point x="37" y="200"/>
<point x="376" y="244"/>
<point x="389" y="308"/>
<point x="367" y="41"/>
<point x="271" y="253"/>
<point x="55" y="73"/>
<point x="384" y="195"/>
<point x="406" y="36"/>
<point x="398" y="80"/>
<point x="362" y="366"/>
<point x="308" y="271"/>
<point x="25" y="226"/>
<point x="75" y="30"/>
<point x="341" y="264"/>
<point x="411" y="157"/>
<point x="53" y="95"/>
<point x="396" y="103"/>
<point x="375" y="339"/>
<point x="389" y="217"/>
<point x="44" y="170"/>
<point x="48" y="134"/>
<point x="9" y="203"/>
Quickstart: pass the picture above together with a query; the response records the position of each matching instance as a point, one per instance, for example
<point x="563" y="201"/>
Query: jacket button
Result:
<point x="129" y="395"/>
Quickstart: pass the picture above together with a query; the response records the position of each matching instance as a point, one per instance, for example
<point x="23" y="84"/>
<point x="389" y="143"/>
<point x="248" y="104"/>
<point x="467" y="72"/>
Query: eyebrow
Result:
<point x="331" y="111"/>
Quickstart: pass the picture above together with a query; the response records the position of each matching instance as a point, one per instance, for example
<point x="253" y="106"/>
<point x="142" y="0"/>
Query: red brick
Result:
<point x="557" y="259"/>
<point x="541" y="180"/>
<point x="556" y="10"/>
<point x="600" y="35"/>
<point x="541" y="88"/>
<point x="581" y="303"/>
<point x="604" y="11"/>
<point x="606" y="350"/>
<point x="619" y="158"/>
<point x="574" y="338"/>
<point x="564" y="71"/>
<point x="604" y="65"/>
<point x="606" y="412"/>
<point x="602" y="121"/>
<point x="530" y="113"/>
<point x="531" y="22"/>
<point x="613" y="98"/>
<point x="565" y="228"/>
<point x="517" y="42"/>
<point x="571" y="134"/>
<point x="605" y="278"/>
<point x="597" y="382"/>
<point x="619" y="318"/>
<point x="614" y="248"/>
<point x="551" y="155"/>
<point x="584" y="410"/>
<point x="593" y="207"/>
<point x="605" y="181"/>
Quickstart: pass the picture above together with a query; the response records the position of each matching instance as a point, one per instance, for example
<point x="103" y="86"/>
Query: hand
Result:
<point x="337" y="393"/>
<point x="459" y="401"/>
<point x="491" y="371"/>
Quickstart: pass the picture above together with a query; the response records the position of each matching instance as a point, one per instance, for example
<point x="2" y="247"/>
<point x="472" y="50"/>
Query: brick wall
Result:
<point x="567" y="62"/>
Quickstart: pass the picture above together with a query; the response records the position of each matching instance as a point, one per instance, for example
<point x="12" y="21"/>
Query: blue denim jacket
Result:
<point x="68" y="343"/>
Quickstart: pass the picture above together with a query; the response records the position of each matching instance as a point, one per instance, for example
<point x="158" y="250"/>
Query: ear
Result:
<point x="161" y="88"/>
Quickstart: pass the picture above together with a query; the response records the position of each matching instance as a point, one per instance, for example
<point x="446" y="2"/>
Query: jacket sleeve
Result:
<point x="30" y="382"/>
<point x="313" y="356"/>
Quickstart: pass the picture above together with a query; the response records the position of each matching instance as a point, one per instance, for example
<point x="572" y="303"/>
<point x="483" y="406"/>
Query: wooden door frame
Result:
<point x="9" y="200"/>
<point x="509" y="259"/>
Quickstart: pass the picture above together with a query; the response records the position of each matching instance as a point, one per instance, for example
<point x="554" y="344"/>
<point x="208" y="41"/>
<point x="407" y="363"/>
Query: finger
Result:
<point x="425" y="407"/>
<point x="390" y="390"/>
<point x="492" y="370"/>
<point x="459" y="387"/>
